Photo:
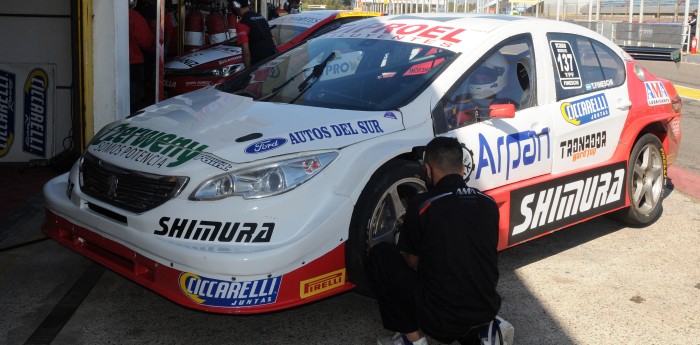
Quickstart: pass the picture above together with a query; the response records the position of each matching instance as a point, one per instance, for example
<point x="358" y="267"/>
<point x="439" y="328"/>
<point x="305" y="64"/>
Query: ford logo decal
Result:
<point x="265" y="145"/>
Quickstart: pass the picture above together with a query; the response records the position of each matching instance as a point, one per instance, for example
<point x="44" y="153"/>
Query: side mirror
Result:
<point x="502" y="111"/>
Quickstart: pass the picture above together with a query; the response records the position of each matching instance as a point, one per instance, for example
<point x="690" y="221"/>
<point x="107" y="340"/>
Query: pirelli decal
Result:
<point x="316" y="285"/>
<point x="549" y="206"/>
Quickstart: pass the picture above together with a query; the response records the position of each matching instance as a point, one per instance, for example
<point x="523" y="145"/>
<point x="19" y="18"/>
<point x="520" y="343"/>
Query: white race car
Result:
<point x="267" y="191"/>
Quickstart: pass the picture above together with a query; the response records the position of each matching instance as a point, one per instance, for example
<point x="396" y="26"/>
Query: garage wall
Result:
<point x="39" y="32"/>
<point x="110" y="61"/>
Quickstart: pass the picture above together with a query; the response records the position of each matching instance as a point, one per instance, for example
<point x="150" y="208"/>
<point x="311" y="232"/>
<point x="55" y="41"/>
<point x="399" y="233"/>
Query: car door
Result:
<point x="588" y="108"/>
<point x="499" y="151"/>
<point x="592" y="101"/>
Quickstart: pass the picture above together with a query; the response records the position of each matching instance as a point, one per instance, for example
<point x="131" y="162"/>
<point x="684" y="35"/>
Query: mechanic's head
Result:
<point x="294" y="6"/>
<point x="442" y="156"/>
<point x="238" y="5"/>
<point x="132" y="3"/>
<point x="489" y="78"/>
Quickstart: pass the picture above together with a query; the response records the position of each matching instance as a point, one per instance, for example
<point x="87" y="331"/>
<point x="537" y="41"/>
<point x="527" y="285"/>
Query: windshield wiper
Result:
<point x="316" y="73"/>
<point x="314" y="76"/>
<point x="277" y="90"/>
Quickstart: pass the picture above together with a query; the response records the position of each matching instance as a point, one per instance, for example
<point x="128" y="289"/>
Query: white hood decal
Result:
<point x="205" y="56"/>
<point x="233" y="128"/>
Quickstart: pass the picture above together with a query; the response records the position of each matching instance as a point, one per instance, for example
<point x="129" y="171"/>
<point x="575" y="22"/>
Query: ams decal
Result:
<point x="656" y="93"/>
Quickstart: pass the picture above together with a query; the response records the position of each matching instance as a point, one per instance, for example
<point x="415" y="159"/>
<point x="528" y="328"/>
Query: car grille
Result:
<point x="126" y="189"/>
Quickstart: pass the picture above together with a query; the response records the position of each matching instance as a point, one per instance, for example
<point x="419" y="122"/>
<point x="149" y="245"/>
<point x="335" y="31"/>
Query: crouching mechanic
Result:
<point x="440" y="280"/>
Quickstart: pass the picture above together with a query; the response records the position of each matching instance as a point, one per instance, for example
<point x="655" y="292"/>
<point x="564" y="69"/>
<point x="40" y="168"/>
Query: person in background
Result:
<point x="440" y="280"/>
<point x="149" y="9"/>
<point x="693" y="22"/>
<point x="293" y="6"/>
<point x="140" y="40"/>
<point x="253" y="34"/>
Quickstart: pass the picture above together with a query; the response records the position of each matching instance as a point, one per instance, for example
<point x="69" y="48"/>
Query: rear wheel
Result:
<point x="646" y="180"/>
<point x="378" y="215"/>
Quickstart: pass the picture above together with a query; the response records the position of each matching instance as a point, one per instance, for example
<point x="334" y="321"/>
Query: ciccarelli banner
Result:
<point x="7" y="111"/>
<point x="35" y="112"/>
<point x="26" y="111"/>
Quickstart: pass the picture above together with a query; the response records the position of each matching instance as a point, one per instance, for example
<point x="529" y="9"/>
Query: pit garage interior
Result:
<point x="64" y="71"/>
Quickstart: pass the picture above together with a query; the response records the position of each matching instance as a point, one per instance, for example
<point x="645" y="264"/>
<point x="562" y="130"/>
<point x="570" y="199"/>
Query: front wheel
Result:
<point x="646" y="180"/>
<point x="378" y="216"/>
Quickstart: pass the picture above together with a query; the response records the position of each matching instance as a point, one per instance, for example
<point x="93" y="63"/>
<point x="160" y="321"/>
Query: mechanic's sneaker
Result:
<point x="400" y="339"/>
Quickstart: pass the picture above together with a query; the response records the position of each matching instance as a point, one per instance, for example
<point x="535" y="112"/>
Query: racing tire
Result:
<point x="646" y="181"/>
<point x="378" y="216"/>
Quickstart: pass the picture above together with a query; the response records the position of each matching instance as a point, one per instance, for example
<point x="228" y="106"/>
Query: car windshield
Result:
<point x="344" y="73"/>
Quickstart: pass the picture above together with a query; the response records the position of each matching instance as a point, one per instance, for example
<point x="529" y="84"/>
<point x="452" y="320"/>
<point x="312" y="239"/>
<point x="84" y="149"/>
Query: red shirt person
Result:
<point x="140" y="39"/>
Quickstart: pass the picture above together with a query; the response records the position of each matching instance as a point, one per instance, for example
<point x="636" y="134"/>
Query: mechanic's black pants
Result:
<point x="395" y="284"/>
<point x="136" y="86"/>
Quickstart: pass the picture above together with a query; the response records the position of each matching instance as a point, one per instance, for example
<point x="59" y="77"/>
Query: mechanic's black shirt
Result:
<point x="453" y="229"/>
<point x="260" y="39"/>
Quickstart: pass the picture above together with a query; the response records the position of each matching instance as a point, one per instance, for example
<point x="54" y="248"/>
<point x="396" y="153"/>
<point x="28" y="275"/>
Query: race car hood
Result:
<point x="235" y="129"/>
<point x="216" y="56"/>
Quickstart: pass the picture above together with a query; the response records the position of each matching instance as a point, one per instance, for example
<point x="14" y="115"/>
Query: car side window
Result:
<point x="505" y="75"/>
<point x="283" y="33"/>
<point x="583" y="65"/>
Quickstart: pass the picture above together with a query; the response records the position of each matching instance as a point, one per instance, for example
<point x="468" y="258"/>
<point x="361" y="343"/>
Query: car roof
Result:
<point x="465" y="30"/>
<point x="308" y="18"/>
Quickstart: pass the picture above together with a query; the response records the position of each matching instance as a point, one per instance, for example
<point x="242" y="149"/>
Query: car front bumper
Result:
<point x="201" y="275"/>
